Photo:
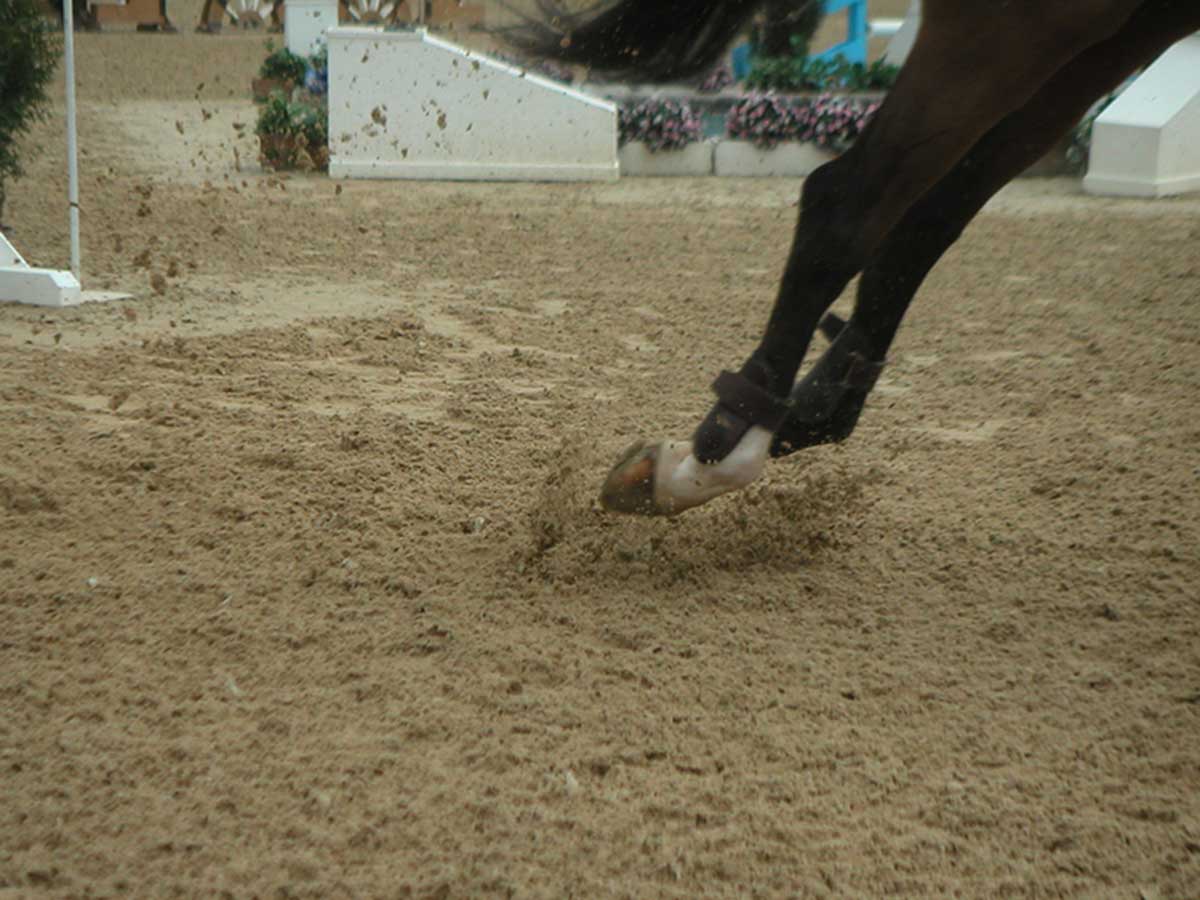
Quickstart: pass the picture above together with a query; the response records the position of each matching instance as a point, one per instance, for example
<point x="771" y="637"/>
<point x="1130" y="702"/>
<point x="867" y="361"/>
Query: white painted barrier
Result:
<point x="404" y="104"/>
<point x="1147" y="143"/>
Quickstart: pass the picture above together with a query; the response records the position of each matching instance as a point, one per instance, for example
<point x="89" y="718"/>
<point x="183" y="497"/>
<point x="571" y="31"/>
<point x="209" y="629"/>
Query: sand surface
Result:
<point x="304" y="593"/>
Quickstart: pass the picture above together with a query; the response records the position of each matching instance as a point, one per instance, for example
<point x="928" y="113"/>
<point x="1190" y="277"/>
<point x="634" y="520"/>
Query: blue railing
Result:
<point x="854" y="47"/>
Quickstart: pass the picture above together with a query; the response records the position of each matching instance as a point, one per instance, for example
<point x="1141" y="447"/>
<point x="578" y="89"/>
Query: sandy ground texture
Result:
<point x="304" y="593"/>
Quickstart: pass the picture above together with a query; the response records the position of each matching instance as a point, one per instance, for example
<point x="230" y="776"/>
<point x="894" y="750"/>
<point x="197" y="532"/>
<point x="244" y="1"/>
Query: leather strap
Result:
<point x="754" y="404"/>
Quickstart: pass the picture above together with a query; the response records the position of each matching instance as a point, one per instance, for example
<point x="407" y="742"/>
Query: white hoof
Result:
<point x="664" y="479"/>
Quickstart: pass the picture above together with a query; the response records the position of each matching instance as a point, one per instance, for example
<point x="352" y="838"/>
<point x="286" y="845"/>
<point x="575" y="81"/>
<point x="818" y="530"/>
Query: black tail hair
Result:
<point x="655" y="39"/>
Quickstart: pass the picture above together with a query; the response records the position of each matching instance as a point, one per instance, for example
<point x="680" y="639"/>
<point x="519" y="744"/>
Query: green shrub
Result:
<point x="274" y="116"/>
<point x="659" y="124"/>
<point x="831" y="122"/>
<point x="283" y="63"/>
<point x="764" y="119"/>
<point x="797" y="73"/>
<point x="28" y="55"/>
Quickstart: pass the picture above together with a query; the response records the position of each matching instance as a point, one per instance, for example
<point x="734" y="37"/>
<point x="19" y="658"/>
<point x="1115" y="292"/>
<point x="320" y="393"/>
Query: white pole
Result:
<point x="72" y="161"/>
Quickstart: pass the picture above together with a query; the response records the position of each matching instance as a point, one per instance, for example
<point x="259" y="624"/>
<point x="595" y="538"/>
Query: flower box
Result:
<point x="790" y="159"/>
<point x="636" y="158"/>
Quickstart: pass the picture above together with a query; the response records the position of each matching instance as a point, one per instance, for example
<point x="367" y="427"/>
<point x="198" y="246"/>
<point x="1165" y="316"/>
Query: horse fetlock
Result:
<point x="825" y="405"/>
<point x="834" y="428"/>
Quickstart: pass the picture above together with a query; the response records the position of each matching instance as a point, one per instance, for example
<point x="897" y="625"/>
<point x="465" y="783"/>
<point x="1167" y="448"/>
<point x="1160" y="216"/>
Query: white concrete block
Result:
<point x="693" y="160"/>
<point x="1147" y="143"/>
<point x="38" y="287"/>
<point x="403" y="104"/>
<point x="790" y="159"/>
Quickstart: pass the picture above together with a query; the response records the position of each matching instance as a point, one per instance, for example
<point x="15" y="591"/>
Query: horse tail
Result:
<point x="654" y="39"/>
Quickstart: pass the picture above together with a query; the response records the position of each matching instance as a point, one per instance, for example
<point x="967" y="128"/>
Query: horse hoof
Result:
<point x="665" y="479"/>
<point x="629" y="487"/>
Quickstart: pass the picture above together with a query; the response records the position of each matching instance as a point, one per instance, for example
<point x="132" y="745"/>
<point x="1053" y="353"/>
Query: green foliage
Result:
<point x="658" y="123"/>
<point x="797" y="73"/>
<point x="283" y="63"/>
<point x="1079" y="147"/>
<point x="28" y="55"/>
<point x="274" y="116"/>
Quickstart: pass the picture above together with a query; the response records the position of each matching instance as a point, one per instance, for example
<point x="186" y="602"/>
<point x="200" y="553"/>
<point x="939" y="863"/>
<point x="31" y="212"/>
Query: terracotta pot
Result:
<point x="277" y="151"/>
<point x="262" y="88"/>
<point x="282" y="151"/>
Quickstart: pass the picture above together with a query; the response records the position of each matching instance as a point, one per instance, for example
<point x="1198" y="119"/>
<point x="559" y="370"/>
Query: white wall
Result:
<point x="305" y="21"/>
<point x="403" y="104"/>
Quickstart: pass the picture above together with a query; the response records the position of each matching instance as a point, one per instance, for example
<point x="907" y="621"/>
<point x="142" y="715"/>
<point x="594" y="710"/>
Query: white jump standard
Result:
<point x="1147" y="143"/>
<point x="23" y="283"/>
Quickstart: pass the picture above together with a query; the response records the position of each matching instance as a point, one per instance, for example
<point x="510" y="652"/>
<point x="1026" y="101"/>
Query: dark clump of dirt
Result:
<point x="22" y="497"/>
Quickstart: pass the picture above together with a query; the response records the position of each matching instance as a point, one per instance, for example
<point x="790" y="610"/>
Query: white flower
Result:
<point x="249" y="13"/>
<point x="371" y="11"/>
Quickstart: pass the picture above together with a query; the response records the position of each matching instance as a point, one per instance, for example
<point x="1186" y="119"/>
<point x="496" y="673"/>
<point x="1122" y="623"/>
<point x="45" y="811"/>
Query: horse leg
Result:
<point x="826" y="403"/>
<point x="980" y="62"/>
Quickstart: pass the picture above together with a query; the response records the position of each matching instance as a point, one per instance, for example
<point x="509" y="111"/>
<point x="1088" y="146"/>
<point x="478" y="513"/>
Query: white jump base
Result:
<point x="23" y="283"/>
<point x="1147" y="143"/>
<point x="404" y="104"/>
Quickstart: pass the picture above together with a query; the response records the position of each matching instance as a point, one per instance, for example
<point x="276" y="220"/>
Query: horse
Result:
<point x="987" y="89"/>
